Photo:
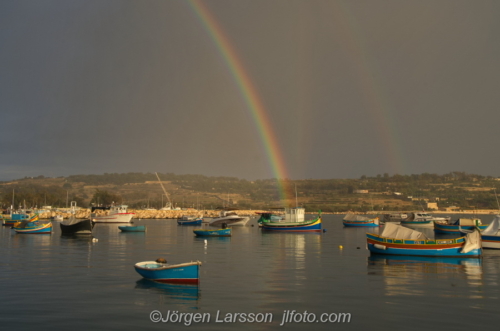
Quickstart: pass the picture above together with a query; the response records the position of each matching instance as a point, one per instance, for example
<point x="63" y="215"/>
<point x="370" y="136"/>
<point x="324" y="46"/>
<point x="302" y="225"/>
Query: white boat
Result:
<point x="116" y="214"/>
<point x="230" y="218"/>
<point x="58" y="218"/>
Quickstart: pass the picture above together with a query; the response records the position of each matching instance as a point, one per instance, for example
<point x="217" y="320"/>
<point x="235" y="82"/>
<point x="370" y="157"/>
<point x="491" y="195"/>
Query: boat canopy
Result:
<point x="492" y="229"/>
<point x="400" y="232"/>
<point x="472" y="241"/>
<point x="354" y="217"/>
<point x="468" y="222"/>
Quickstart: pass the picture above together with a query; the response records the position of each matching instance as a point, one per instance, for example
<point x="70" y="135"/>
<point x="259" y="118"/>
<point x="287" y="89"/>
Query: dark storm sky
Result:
<point x="351" y="87"/>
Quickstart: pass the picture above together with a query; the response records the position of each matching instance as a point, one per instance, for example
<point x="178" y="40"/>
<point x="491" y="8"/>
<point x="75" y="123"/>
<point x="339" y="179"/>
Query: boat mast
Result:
<point x="164" y="191"/>
<point x="498" y="205"/>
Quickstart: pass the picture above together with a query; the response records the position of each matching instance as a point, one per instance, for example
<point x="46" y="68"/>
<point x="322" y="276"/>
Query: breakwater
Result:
<point x="151" y="214"/>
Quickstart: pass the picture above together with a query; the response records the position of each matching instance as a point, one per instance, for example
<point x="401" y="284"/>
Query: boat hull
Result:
<point x="308" y="226"/>
<point x="179" y="273"/>
<point x="139" y="228"/>
<point x="438" y="247"/>
<point x="190" y="222"/>
<point x="490" y="241"/>
<point x="229" y="221"/>
<point x="84" y="226"/>
<point x="38" y="229"/>
<point x="455" y="229"/>
<point x="114" y="218"/>
<point x="418" y="224"/>
<point x="212" y="233"/>
<point x="359" y="224"/>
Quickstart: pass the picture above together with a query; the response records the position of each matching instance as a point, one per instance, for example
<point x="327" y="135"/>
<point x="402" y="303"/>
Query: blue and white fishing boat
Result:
<point x="224" y="232"/>
<point x="160" y="271"/>
<point x="422" y="220"/>
<point x="32" y="226"/>
<point x="189" y="220"/>
<point x="491" y="235"/>
<point x="399" y="240"/>
<point x="353" y="220"/>
<point x="294" y="221"/>
<point x="457" y="227"/>
<point x="14" y="217"/>
<point x="129" y="228"/>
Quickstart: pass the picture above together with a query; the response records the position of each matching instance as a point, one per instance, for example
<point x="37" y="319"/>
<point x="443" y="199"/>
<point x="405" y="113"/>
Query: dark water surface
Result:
<point x="49" y="282"/>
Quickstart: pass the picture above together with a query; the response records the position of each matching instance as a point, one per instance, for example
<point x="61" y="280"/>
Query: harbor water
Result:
<point x="50" y="282"/>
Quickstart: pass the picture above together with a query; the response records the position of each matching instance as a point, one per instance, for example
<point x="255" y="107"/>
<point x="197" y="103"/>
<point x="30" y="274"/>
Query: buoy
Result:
<point x="206" y="242"/>
<point x="324" y="230"/>
<point x="357" y="247"/>
<point x="340" y="246"/>
<point x="94" y="240"/>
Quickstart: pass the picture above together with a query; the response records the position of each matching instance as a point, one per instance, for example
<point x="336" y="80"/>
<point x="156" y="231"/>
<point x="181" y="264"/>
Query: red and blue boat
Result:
<point x="399" y="240"/>
<point x="456" y="227"/>
<point x="169" y="273"/>
<point x="353" y="220"/>
<point x="32" y="226"/>
<point x="294" y="222"/>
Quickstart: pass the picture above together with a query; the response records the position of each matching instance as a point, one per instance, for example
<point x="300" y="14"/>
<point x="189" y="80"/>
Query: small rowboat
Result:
<point x="212" y="233"/>
<point x="32" y="227"/>
<point x="189" y="220"/>
<point x="169" y="273"/>
<point x="127" y="228"/>
<point x="398" y="240"/>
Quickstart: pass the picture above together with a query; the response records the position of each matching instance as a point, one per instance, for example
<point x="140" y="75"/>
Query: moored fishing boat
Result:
<point x="353" y="220"/>
<point x="398" y="240"/>
<point x="32" y="226"/>
<point x="294" y="221"/>
<point x="491" y="235"/>
<point x="72" y="225"/>
<point x="457" y="227"/>
<point x="189" y="220"/>
<point x="128" y="228"/>
<point x="419" y="220"/>
<point x="224" y="232"/>
<point x="161" y="271"/>
<point x="116" y="214"/>
<point x="15" y="217"/>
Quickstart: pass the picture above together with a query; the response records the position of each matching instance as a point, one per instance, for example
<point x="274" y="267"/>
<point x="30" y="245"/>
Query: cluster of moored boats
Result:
<point x="399" y="237"/>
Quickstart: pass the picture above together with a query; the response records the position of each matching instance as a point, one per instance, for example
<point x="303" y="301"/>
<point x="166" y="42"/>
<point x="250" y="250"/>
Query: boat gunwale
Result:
<point x="139" y="265"/>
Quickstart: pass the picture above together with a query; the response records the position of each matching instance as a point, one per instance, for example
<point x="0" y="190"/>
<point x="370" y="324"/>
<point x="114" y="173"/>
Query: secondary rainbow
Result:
<point x="249" y="93"/>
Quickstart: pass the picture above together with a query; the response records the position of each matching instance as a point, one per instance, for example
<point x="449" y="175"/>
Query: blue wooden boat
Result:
<point x="456" y="227"/>
<point x="212" y="232"/>
<point x="14" y="218"/>
<point x="398" y="240"/>
<point x="189" y="220"/>
<point x="129" y="228"/>
<point x="169" y="273"/>
<point x="294" y="221"/>
<point x="32" y="226"/>
<point x="353" y="220"/>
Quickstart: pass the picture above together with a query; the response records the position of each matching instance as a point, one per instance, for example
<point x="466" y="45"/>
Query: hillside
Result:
<point x="454" y="191"/>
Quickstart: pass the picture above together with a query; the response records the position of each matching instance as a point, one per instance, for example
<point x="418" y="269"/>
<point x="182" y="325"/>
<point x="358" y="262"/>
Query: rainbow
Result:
<point x="250" y="96"/>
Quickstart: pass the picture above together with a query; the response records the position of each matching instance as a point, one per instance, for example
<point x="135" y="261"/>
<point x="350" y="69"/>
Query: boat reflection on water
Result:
<point x="417" y="275"/>
<point x="188" y="292"/>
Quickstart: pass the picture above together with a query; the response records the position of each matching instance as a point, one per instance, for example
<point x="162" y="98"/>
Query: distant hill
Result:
<point x="382" y="192"/>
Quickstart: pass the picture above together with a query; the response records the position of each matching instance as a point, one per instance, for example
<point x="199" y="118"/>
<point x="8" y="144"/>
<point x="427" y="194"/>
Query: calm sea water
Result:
<point x="49" y="282"/>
